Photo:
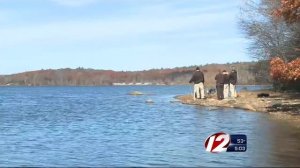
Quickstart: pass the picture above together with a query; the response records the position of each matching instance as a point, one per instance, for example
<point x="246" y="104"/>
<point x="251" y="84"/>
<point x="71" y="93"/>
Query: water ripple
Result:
<point x="104" y="126"/>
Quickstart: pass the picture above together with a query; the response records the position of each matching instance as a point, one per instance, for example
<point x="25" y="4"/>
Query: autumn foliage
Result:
<point x="286" y="73"/>
<point x="289" y="10"/>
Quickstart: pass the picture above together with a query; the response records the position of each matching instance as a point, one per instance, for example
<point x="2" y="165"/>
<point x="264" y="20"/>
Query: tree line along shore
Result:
<point x="247" y="74"/>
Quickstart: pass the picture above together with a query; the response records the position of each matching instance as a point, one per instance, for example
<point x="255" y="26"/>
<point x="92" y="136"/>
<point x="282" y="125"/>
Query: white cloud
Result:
<point x="134" y="30"/>
<point x="159" y="19"/>
<point x="101" y="30"/>
<point x="74" y="3"/>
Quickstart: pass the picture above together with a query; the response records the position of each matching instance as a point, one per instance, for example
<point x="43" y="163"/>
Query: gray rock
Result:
<point x="136" y="93"/>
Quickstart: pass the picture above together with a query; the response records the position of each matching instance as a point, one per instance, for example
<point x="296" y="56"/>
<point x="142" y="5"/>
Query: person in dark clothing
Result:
<point x="226" y="84"/>
<point x="198" y="80"/>
<point x="232" y="83"/>
<point x="233" y="77"/>
<point x="220" y="85"/>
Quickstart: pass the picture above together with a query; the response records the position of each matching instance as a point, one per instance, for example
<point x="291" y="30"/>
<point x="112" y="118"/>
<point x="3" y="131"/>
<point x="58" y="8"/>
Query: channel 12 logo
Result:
<point x="222" y="142"/>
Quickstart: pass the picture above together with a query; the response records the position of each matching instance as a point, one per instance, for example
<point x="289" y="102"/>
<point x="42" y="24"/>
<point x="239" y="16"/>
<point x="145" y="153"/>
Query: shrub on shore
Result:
<point x="286" y="76"/>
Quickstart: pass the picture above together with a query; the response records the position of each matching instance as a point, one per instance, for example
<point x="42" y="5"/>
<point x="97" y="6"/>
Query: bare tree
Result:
<point x="269" y="37"/>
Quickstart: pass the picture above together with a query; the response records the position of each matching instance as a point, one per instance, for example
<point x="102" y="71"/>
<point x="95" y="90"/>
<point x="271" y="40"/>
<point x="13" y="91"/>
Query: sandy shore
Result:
<point x="284" y="106"/>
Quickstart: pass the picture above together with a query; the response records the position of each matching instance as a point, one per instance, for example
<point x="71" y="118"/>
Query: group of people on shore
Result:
<point x="225" y="84"/>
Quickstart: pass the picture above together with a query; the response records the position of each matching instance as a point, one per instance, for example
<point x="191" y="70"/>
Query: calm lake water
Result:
<point x="104" y="126"/>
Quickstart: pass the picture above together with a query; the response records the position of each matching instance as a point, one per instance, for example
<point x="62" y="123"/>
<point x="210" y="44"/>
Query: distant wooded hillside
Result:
<point x="92" y="77"/>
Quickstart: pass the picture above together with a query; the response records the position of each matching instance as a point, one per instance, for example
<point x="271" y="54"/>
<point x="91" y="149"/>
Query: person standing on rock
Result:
<point x="226" y="84"/>
<point x="198" y="80"/>
<point x="220" y="85"/>
<point x="232" y="83"/>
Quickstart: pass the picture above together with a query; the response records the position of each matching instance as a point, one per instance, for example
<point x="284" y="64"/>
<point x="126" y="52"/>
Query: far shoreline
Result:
<point x="208" y="86"/>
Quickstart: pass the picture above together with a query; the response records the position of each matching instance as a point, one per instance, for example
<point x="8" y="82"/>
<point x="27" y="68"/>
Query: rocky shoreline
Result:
<point x="285" y="106"/>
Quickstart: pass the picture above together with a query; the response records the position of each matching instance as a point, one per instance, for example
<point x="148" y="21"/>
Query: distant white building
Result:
<point x="119" y="84"/>
<point x="123" y="84"/>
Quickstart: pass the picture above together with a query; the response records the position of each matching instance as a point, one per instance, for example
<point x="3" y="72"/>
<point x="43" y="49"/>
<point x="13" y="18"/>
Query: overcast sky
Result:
<point x="118" y="34"/>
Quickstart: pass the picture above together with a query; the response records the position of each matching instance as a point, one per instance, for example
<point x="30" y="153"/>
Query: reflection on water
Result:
<point x="104" y="126"/>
